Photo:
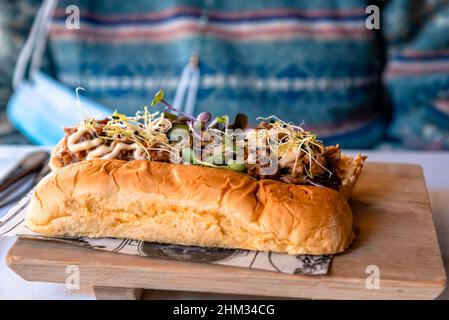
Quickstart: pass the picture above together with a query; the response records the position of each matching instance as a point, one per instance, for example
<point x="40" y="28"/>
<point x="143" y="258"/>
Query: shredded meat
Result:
<point x="264" y="125"/>
<point x="333" y="156"/>
<point x="67" y="157"/>
<point x="288" y="178"/>
<point x="160" y="155"/>
<point x="256" y="171"/>
<point x="319" y="171"/>
<point x="126" y="155"/>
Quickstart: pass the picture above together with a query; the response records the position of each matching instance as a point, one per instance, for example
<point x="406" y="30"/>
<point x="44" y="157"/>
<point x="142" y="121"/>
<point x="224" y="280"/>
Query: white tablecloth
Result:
<point x="436" y="170"/>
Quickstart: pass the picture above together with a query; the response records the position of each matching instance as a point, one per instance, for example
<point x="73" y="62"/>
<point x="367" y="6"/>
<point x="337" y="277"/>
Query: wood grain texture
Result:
<point x="114" y="293"/>
<point x="394" y="228"/>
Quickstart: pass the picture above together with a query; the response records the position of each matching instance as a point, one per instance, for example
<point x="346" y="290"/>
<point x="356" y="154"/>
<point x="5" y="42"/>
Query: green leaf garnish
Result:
<point x="158" y="98"/>
<point x="223" y="119"/>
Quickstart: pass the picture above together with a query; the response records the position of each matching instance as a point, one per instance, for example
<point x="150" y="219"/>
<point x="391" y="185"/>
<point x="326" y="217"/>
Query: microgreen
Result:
<point x="294" y="137"/>
<point x="223" y="119"/>
<point x="147" y="130"/>
<point x="159" y="98"/>
<point x="150" y="131"/>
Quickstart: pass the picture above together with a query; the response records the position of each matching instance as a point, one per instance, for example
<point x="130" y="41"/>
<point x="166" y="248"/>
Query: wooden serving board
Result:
<point x="392" y="221"/>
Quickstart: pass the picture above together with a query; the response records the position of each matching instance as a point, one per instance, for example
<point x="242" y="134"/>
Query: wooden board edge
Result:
<point x="429" y="290"/>
<point x="434" y="230"/>
<point x="34" y="270"/>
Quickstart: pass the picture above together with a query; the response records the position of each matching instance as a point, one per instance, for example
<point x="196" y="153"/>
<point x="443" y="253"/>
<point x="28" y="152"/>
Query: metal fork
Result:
<point x="33" y="165"/>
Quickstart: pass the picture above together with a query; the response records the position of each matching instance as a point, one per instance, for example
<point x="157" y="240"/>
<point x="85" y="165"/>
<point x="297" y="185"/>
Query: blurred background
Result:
<point x="364" y="74"/>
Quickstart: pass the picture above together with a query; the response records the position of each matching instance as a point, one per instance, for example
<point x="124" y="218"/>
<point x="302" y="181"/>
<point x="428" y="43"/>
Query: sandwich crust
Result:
<point x="193" y="205"/>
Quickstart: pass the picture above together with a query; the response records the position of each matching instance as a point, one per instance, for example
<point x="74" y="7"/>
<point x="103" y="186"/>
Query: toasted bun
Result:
<point x="191" y="205"/>
<point x="349" y="169"/>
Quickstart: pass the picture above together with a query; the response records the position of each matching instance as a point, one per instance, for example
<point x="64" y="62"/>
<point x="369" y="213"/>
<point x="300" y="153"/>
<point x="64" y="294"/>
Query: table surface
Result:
<point x="436" y="171"/>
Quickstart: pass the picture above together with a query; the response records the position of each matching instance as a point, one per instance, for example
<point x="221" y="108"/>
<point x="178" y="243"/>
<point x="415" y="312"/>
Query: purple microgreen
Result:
<point x="204" y="117"/>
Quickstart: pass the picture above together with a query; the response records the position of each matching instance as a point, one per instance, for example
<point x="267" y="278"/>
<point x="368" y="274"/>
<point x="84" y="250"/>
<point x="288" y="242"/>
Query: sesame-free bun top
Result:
<point x="193" y="205"/>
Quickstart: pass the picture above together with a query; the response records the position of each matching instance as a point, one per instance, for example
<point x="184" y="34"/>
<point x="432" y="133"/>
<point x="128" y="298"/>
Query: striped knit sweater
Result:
<point x="311" y="61"/>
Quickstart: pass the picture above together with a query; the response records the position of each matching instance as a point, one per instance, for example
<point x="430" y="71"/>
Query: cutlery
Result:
<point x="34" y="163"/>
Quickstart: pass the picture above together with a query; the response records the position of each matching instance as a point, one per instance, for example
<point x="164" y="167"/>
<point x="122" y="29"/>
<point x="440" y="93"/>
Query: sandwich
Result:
<point x="171" y="178"/>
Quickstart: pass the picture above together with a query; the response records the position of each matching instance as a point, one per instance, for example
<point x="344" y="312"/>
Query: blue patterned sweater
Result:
<point x="312" y="61"/>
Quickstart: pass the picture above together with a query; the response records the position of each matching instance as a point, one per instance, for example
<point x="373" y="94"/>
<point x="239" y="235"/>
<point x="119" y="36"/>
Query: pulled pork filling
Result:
<point x="299" y="157"/>
<point x="302" y="169"/>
